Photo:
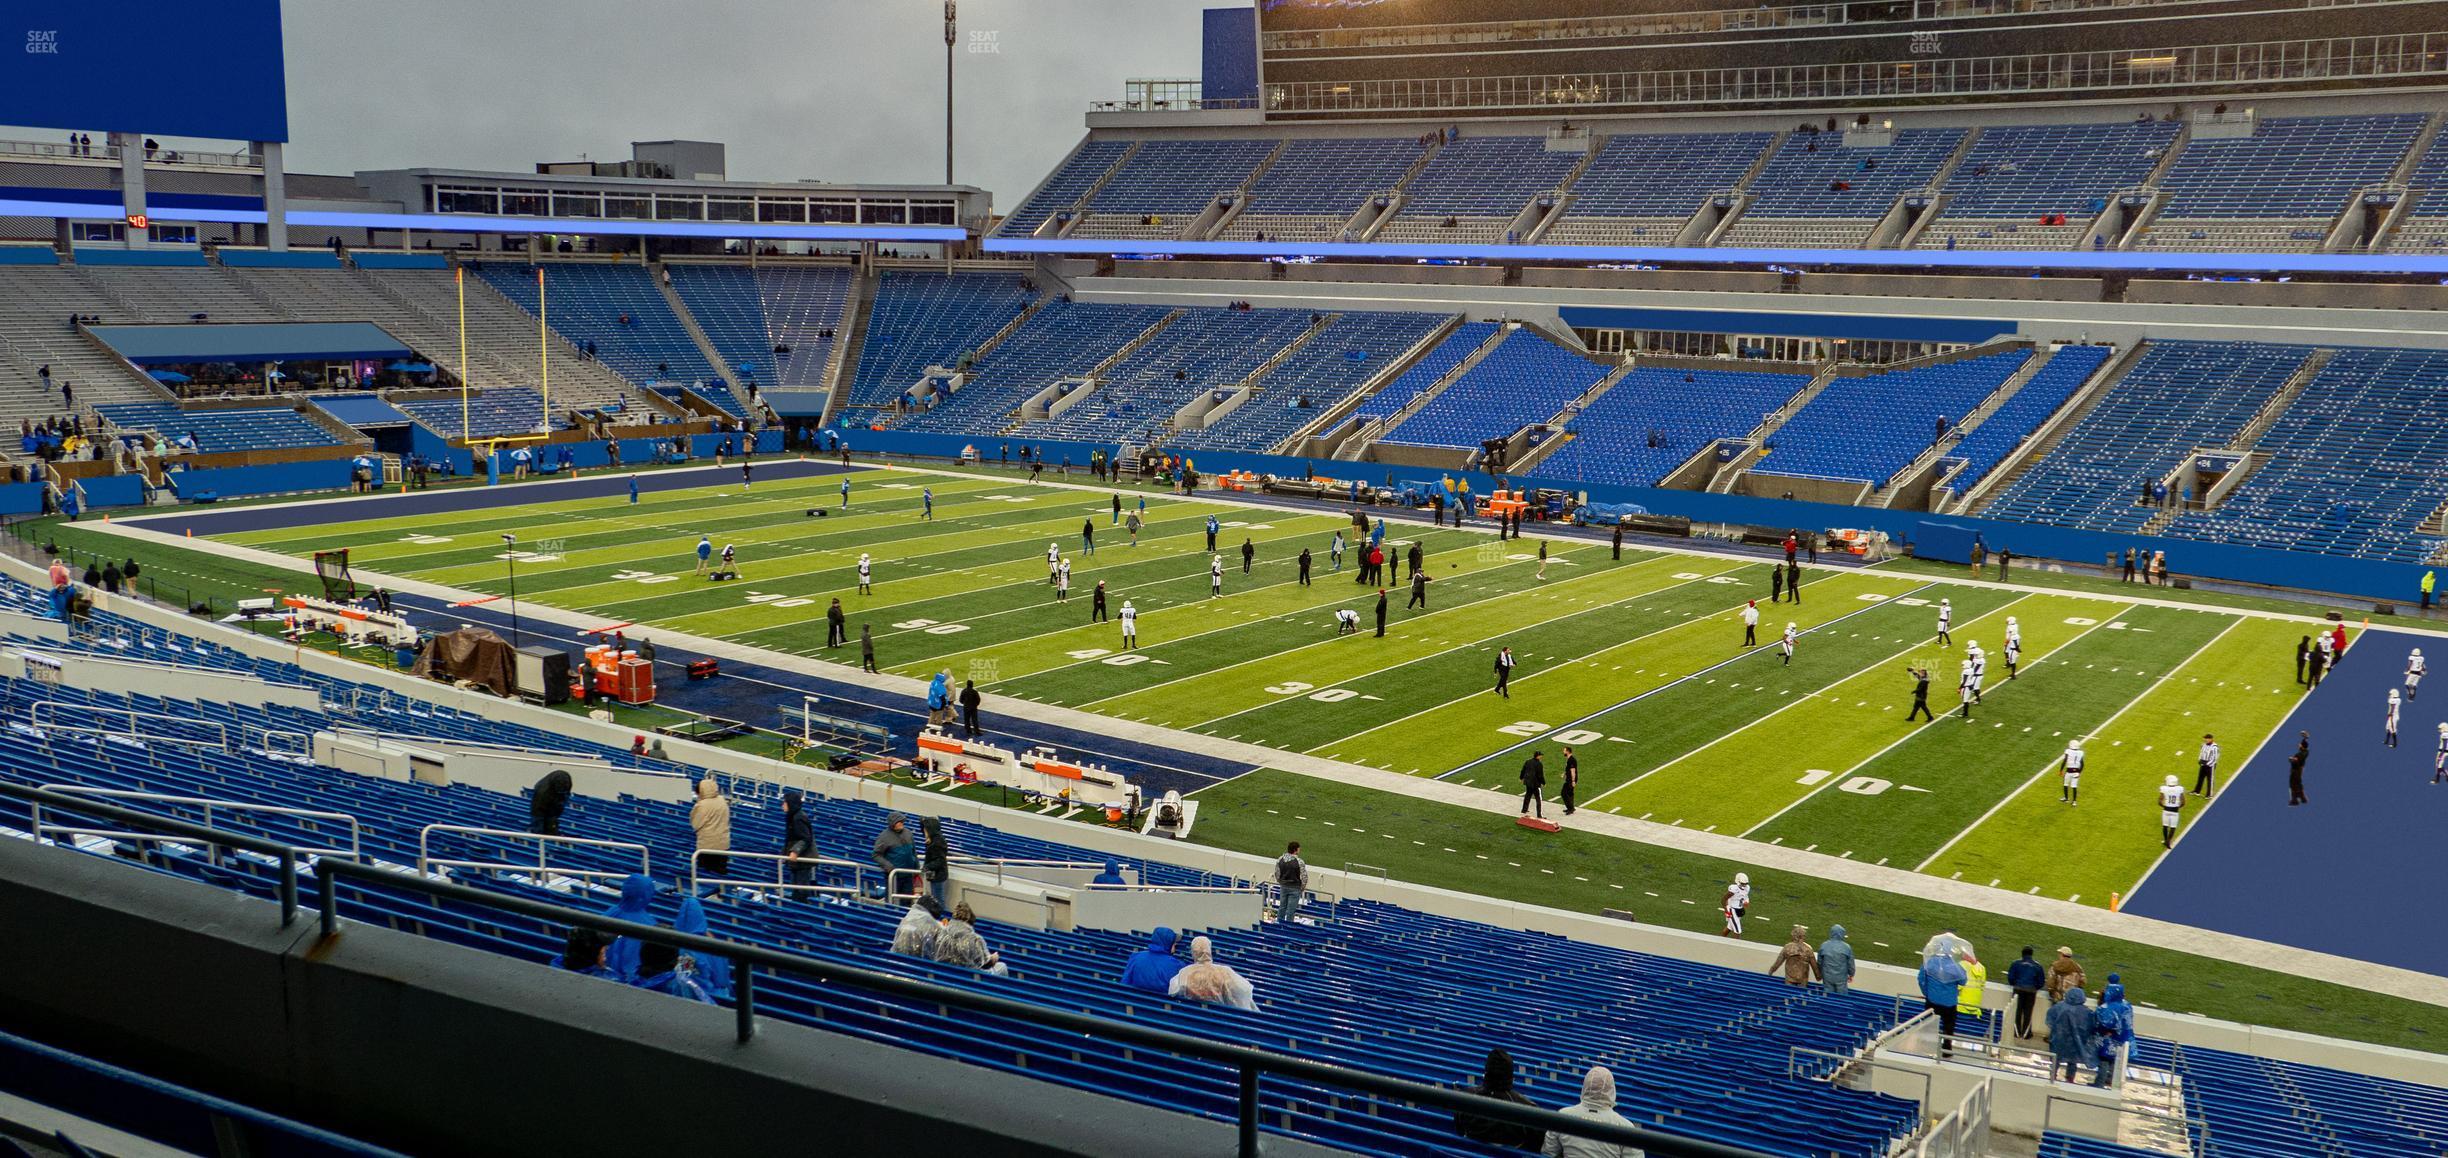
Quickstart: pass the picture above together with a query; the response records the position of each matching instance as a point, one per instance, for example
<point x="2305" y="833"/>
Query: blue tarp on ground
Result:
<point x="251" y="342"/>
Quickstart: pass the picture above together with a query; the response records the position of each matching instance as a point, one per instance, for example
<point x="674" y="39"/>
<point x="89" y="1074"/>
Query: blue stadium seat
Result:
<point x="1655" y="418"/>
<point x="490" y="413"/>
<point x="252" y="428"/>
<point x="1525" y="379"/>
<point x="1065" y="186"/>
<point x="2005" y="429"/>
<point x="587" y="303"/>
<point x="919" y="320"/>
<point x="1641" y="188"/>
<point x="1479" y="184"/>
<point x="1319" y="376"/>
<point x="1869" y="427"/>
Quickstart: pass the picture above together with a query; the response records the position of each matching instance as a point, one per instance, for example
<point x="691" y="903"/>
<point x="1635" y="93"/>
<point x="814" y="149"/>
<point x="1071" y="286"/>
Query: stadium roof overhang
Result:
<point x="69" y="205"/>
<point x="2030" y="261"/>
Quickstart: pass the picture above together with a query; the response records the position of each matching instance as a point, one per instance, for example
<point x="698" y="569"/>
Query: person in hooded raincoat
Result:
<point x="710" y="819"/>
<point x="2112" y="1027"/>
<point x="895" y="849"/>
<point x="636" y="904"/>
<point x="1152" y="968"/>
<point x="544" y="808"/>
<point x="935" y="859"/>
<point x="1204" y="980"/>
<point x="957" y="943"/>
<point x="939" y="698"/>
<point x="713" y="969"/>
<point x="2069" y="1028"/>
<point x="1836" y="965"/>
<point x="660" y="970"/>
<point x="1598" y="1105"/>
<point x="1496" y="1081"/>
<point x="1112" y="874"/>
<point x="915" y="935"/>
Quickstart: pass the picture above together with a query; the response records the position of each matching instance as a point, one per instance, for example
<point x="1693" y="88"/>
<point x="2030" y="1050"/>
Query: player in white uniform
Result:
<point x="866" y="574"/>
<point x="1980" y="667"/>
<point x="2171" y="805"/>
<point x="2394" y="704"/>
<point x="2071" y="793"/>
<point x="2414" y="671"/>
<point x="1215" y="574"/>
<point x="2439" y="760"/>
<point x="1737" y="902"/>
<point x="1053" y="561"/>
<point x="1964" y="689"/>
<point x="1062" y="581"/>
<point x="1347" y="621"/>
<point x="1130" y="624"/>
<point x="2014" y="646"/>
<point x="1750" y="622"/>
<point x="1946" y="615"/>
<point x="1786" y="645"/>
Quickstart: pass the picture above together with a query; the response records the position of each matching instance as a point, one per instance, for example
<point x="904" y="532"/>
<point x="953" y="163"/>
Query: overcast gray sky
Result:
<point x="844" y="90"/>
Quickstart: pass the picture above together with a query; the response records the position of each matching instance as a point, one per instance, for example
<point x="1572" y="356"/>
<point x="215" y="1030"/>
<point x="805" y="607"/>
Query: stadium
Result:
<point x="1383" y="600"/>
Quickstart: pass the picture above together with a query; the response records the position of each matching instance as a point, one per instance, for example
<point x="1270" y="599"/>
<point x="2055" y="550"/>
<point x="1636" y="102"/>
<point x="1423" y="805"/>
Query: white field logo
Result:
<point x="985" y="671"/>
<point x="42" y="42"/>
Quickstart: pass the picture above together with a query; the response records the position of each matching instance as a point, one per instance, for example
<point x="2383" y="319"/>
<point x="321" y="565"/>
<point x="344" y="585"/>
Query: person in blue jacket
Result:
<point x="1153" y="968"/>
<point x="1212" y="528"/>
<point x="2069" y="1030"/>
<point x="2111" y="1028"/>
<point x="713" y="969"/>
<point x="927" y="497"/>
<point x="633" y="490"/>
<point x="659" y="970"/>
<point x="2027" y="978"/>
<point x="705" y="553"/>
<point x="637" y="905"/>
<point x="939" y="698"/>
<point x="1112" y="874"/>
<point x="1942" y="982"/>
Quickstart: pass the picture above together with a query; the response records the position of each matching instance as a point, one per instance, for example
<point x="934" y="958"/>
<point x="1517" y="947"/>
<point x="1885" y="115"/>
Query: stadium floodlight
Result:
<point x="510" y="559"/>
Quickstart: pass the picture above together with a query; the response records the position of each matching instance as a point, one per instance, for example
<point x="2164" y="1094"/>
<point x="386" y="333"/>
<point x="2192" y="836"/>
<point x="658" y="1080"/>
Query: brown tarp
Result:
<point x="470" y="653"/>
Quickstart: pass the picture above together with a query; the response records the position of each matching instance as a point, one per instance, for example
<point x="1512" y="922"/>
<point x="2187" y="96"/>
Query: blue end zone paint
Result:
<point x="395" y="504"/>
<point x="757" y="694"/>
<point x="2353" y="872"/>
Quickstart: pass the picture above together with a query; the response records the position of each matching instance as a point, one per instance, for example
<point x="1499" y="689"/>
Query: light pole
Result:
<point x="510" y="558"/>
<point x="951" y="12"/>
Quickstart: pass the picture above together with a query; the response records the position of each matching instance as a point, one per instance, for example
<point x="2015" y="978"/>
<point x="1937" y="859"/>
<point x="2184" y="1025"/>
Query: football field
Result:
<point x="1635" y="662"/>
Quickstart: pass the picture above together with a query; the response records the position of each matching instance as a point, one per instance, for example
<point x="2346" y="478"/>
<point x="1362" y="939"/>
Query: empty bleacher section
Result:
<point x="1658" y="416"/>
<point x="2254" y="1107"/>
<point x="1061" y="340"/>
<point x="1698" y="1049"/>
<point x="2356" y="462"/>
<point x="1868" y="427"/>
<point x="921" y="319"/>
<point x="1642" y="188"/>
<point x="169" y="293"/>
<point x="1316" y="185"/>
<point x="1166" y="185"/>
<point x="1817" y="192"/>
<point x="2279" y="189"/>
<point x="2017" y="178"/>
<point x="615" y="306"/>
<point x="1200" y="350"/>
<point x="1315" y="379"/>
<point x="501" y="337"/>
<point x="1525" y="379"/>
<point x="1988" y="444"/>
<point x="216" y="431"/>
<point x="1470" y="191"/>
<point x="35" y="303"/>
<point x="490" y="413"/>
<point x="2425" y="227"/>
<point x="2178" y="397"/>
<point x="1432" y="366"/>
<point x="748" y="313"/>
<point x="1062" y="190"/>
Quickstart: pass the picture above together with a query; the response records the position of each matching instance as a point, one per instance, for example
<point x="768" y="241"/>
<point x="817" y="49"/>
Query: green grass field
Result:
<point x="1635" y="662"/>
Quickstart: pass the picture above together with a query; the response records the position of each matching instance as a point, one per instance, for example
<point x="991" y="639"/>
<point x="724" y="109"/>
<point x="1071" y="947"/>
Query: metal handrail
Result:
<point x="356" y="843"/>
<point x="2195" y="1128"/>
<point x="510" y="750"/>
<point x="35" y="716"/>
<point x="305" y="740"/>
<point x="782" y="861"/>
<point x="288" y="856"/>
<point x="544" y="844"/>
<point x="1252" y="1065"/>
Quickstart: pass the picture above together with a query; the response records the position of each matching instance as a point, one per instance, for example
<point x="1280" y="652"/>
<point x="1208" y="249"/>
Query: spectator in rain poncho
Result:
<point x="1945" y="944"/>
<point x="896" y="856"/>
<point x="544" y="808"/>
<point x="939" y="698"/>
<point x="1204" y="980"/>
<point x="2112" y="1026"/>
<point x="660" y="969"/>
<point x="1111" y="876"/>
<point x="713" y="969"/>
<point x="1836" y="965"/>
<point x="583" y="953"/>
<point x="1497" y="1082"/>
<point x="1152" y="968"/>
<point x="958" y="943"/>
<point x="1598" y="1105"/>
<point x="915" y="936"/>
<point x="2069" y="1030"/>
<point x="636" y="904"/>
